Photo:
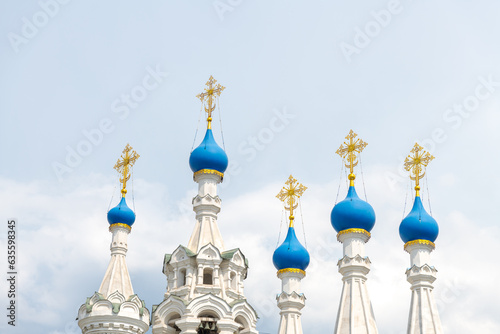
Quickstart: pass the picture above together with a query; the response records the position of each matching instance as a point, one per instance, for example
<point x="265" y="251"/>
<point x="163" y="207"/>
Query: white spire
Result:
<point x="424" y="317"/>
<point x="206" y="205"/>
<point x="115" y="308"/>
<point x="355" y="315"/>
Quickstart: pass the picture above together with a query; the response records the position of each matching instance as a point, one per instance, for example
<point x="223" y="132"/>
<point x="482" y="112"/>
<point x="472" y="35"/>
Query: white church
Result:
<point x="205" y="292"/>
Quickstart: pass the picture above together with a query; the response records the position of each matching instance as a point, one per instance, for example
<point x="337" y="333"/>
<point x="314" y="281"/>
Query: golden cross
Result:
<point x="126" y="161"/>
<point x="289" y="194"/>
<point x="414" y="164"/>
<point x="349" y="149"/>
<point x="211" y="90"/>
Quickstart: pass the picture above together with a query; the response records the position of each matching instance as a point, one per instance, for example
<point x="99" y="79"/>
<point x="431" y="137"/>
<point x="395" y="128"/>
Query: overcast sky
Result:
<point x="81" y="79"/>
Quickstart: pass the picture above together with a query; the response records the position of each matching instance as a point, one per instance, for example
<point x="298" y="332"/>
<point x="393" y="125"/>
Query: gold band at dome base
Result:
<point x="354" y="230"/>
<point x="120" y="225"/>
<point x="420" y="242"/>
<point x="208" y="171"/>
<point x="291" y="270"/>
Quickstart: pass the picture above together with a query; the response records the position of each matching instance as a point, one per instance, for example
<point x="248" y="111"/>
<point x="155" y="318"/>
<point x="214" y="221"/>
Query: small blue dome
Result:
<point x="352" y="212"/>
<point x="291" y="254"/>
<point x="208" y="155"/>
<point x="418" y="224"/>
<point x="121" y="214"/>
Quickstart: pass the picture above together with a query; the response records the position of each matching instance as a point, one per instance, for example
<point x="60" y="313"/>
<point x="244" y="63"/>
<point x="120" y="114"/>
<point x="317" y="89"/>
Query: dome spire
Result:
<point x="123" y="165"/>
<point x="415" y="163"/>
<point x="213" y="90"/>
<point x="348" y="151"/>
<point x="289" y="194"/>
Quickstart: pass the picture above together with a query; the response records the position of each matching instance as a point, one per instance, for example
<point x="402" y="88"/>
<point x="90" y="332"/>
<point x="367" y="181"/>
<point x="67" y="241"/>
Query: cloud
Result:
<point x="64" y="251"/>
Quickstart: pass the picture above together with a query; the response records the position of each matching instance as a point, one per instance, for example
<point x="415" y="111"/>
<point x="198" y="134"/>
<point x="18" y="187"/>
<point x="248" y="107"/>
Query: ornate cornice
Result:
<point x="120" y="225"/>
<point x="420" y="242"/>
<point x="208" y="171"/>
<point x="354" y="230"/>
<point x="291" y="270"/>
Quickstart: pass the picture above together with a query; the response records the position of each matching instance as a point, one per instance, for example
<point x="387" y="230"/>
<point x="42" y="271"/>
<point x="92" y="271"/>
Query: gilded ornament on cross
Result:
<point x="123" y="165"/>
<point x="348" y="151"/>
<point x="415" y="163"/>
<point x="212" y="91"/>
<point x="289" y="195"/>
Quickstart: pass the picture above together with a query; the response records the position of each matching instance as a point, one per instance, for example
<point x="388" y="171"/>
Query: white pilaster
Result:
<point x="291" y="301"/>
<point x="355" y="315"/>
<point x="206" y="205"/>
<point x="424" y="316"/>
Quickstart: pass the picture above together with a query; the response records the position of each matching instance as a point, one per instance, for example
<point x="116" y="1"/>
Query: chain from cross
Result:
<point x="289" y="194"/>
<point x="348" y="152"/>
<point x="123" y="165"/>
<point x="211" y="92"/>
<point x="415" y="163"/>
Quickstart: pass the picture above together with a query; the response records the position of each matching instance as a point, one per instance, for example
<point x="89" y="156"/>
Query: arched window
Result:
<point x="233" y="280"/>
<point x="208" y="276"/>
<point x="181" y="280"/>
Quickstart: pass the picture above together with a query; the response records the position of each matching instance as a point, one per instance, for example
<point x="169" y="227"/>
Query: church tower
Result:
<point x="419" y="230"/>
<point x="205" y="292"/>
<point x="291" y="260"/>
<point x="353" y="219"/>
<point x="115" y="308"/>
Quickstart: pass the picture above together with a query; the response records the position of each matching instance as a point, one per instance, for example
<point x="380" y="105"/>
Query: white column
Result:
<point x="206" y="205"/>
<point x="424" y="316"/>
<point x="355" y="315"/>
<point x="290" y="302"/>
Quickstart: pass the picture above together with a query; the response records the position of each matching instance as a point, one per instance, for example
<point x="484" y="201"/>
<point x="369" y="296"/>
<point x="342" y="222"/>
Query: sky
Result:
<point x="81" y="79"/>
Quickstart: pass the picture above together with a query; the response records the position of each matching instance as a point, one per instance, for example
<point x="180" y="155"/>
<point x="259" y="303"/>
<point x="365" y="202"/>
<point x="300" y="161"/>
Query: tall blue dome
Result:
<point x="418" y="224"/>
<point x="352" y="212"/>
<point x="208" y="155"/>
<point x="121" y="214"/>
<point x="291" y="254"/>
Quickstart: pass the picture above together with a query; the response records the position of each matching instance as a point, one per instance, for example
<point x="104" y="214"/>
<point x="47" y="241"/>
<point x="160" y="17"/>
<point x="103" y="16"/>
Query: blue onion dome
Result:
<point x="418" y="224"/>
<point x="291" y="254"/>
<point x="352" y="212"/>
<point x="121" y="214"/>
<point x="208" y="155"/>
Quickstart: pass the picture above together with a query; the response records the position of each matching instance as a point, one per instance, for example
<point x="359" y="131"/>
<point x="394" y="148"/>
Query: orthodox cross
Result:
<point x="289" y="194"/>
<point x="123" y="165"/>
<point x="211" y="91"/>
<point x="415" y="163"/>
<point x="348" y="151"/>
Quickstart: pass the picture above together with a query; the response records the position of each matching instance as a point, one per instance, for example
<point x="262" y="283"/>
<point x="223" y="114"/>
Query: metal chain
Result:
<point x="362" y="176"/>
<point x="197" y="127"/>
<point x="220" y="122"/>
<point x="302" y="221"/>
<point x="281" y="226"/>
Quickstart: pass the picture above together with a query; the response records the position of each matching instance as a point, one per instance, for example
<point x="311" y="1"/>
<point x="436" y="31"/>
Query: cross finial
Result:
<point x="348" y="151"/>
<point x="415" y="163"/>
<point x="289" y="194"/>
<point x="123" y="165"/>
<point x="211" y="92"/>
